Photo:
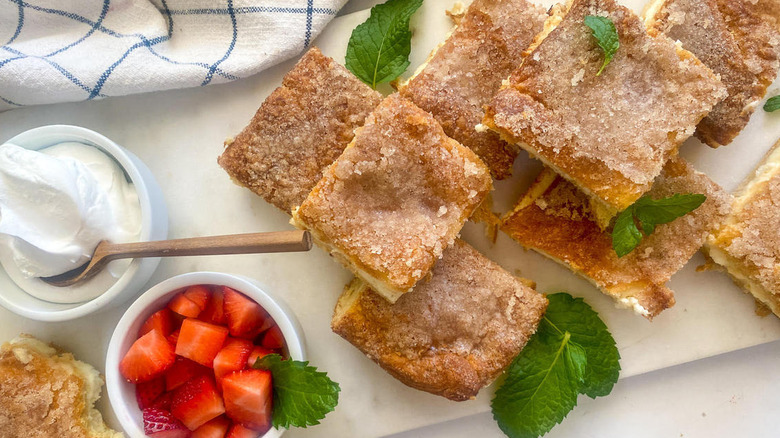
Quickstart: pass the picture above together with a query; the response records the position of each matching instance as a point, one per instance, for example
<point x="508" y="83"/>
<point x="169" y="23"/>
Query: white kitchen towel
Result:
<point x="73" y="50"/>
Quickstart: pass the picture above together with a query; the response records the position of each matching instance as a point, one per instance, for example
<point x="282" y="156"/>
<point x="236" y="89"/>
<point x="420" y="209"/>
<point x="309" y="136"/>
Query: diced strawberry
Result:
<point x="147" y="392"/>
<point x="215" y="311"/>
<point x="148" y="357"/>
<point x="257" y="353"/>
<point x="239" y="431"/>
<point x="200" y="341"/>
<point x="273" y="338"/>
<point x="182" y="371"/>
<point x="199" y="295"/>
<point x="161" y="320"/>
<point x="184" y="306"/>
<point x="216" y="428"/>
<point x="173" y="338"/>
<point x="245" y="318"/>
<point x="163" y="402"/>
<point x="197" y="402"/>
<point x="161" y="424"/>
<point x="232" y="357"/>
<point x="248" y="398"/>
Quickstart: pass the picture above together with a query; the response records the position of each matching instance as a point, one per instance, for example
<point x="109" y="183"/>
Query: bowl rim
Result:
<point x="150" y="302"/>
<point x="49" y="135"/>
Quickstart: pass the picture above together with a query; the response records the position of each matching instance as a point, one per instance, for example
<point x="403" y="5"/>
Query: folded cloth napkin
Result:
<point x="72" y="50"/>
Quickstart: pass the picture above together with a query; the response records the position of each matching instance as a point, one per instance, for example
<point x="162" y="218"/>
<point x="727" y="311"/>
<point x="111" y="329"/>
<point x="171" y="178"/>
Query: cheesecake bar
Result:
<point x="396" y="198"/>
<point x="299" y="130"/>
<point x="453" y="334"/>
<point x="733" y="41"/>
<point x="555" y="219"/>
<point x="466" y="70"/>
<point x="748" y="243"/>
<point x="610" y="134"/>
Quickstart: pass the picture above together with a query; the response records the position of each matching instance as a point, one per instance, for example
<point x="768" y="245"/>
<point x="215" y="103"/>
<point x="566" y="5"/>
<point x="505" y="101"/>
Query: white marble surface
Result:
<point x="180" y="133"/>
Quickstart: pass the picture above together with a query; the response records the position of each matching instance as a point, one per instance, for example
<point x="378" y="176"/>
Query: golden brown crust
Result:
<point x="467" y="69"/>
<point x="556" y="220"/>
<point x="450" y="336"/>
<point x="609" y="134"/>
<point x="396" y="198"/>
<point x="769" y="10"/>
<point x="736" y="43"/>
<point x="299" y="130"/>
<point x="44" y="395"/>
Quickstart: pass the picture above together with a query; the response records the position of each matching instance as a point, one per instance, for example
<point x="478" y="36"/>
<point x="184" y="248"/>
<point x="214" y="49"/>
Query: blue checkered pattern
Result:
<point x="72" y="50"/>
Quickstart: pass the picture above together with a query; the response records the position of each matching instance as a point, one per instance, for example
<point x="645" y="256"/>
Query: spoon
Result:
<point x="251" y="243"/>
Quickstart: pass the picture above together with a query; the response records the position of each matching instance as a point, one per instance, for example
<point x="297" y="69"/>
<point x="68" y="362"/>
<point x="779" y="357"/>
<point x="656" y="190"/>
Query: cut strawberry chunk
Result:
<point x="173" y="338"/>
<point x="184" y="306"/>
<point x="197" y="402"/>
<point x="216" y="428"/>
<point x="147" y="392"/>
<point x="200" y="341"/>
<point x="182" y="371"/>
<point x="257" y="353"/>
<point x="161" y="424"/>
<point x="161" y="320"/>
<point x="163" y="402"/>
<point x="248" y="398"/>
<point x="232" y="357"/>
<point x="239" y="431"/>
<point x="273" y="338"/>
<point x="148" y="357"/>
<point x="215" y="311"/>
<point x="199" y="295"/>
<point x="245" y="318"/>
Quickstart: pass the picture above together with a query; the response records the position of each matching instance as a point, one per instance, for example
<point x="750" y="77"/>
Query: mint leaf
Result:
<point x="650" y="213"/>
<point x="603" y="29"/>
<point x="541" y="387"/>
<point x="772" y="104"/>
<point x="302" y="395"/>
<point x="568" y="314"/>
<point x="378" y="50"/>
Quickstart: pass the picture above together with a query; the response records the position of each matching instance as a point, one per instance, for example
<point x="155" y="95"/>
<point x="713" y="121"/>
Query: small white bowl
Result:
<point x="154" y="226"/>
<point x="121" y="393"/>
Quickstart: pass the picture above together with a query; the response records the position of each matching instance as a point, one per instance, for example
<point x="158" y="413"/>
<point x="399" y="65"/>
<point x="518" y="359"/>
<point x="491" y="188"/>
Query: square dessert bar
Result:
<point x="466" y="70"/>
<point x="748" y="242"/>
<point x="396" y="198"/>
<point x="735" y="42"/>
<point x="610" y="134"/>
<point x="299" y="130"/>
<point x="453" y="334"/>
<point x="555" y="219"/>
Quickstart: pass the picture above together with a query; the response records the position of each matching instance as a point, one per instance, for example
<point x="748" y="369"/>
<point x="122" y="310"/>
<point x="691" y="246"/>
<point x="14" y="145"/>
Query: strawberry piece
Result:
<point x="273" y="338"/>
<point x="232" y="357"/>
<point x="173" y="338"/>
<point x="215" y="311"/>
<point x="248" y="398"/>
<point x="146" y="393"/>
<point x="257" y="353"/>
<point x="163" y="402"/>
<point x="148" y="357"/>
<point x="161" y="424"/>
<point x="245" y="318"/>
<point x="184" y="306"/>
<point x="216" y="428"/>
<point x="200" y="341"/>
<point x="161" y="320"/>
<point x="197" y="402"/>
<point x="182" y="371"/>
<point x="199" y="295"/>
<point x="239" y="431"/>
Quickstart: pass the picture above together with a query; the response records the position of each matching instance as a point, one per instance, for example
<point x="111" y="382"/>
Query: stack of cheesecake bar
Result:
<point x="385" y="184"/>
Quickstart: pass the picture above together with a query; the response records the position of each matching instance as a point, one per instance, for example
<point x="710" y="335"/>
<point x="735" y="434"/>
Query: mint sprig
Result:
<point x="302" y="395"/>
<point x="378" y="50"/>
<point x="606" y="35"/>
<point x="572" y="353"/>
<point x="772" y="104"/>
<point x="649" y="213"/>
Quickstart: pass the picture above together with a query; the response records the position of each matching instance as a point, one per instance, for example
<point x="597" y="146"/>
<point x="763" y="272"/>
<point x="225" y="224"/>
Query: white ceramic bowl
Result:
<point x="154" y="226"/>
<point x="121" y="393"/>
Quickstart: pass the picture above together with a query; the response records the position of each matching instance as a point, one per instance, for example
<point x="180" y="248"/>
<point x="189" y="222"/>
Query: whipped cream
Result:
<point x="56" y="205"/>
